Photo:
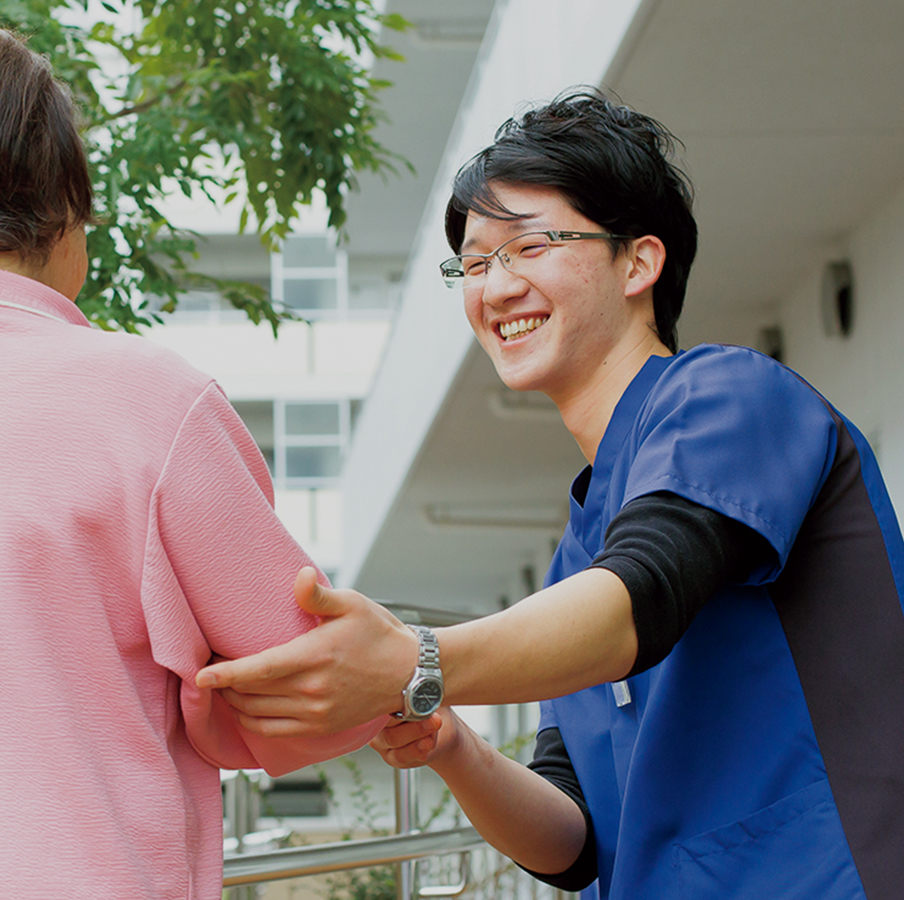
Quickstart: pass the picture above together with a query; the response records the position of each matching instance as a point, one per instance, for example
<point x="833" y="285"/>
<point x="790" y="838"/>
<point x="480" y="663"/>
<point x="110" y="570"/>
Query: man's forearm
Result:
<point x="355" y="664"/>
<point x="516" y="810"/>
<point x="564" y="638"/>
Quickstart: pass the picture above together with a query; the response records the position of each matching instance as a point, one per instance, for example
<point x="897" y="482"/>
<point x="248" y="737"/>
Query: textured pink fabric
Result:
<point x="137" y="537"/>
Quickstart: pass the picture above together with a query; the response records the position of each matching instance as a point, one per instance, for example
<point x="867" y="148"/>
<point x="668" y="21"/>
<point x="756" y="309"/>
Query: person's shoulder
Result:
<point x="740" y="370"/>
<point x="136" y="363"/>
<point x="132" y="384"/>
<point x="735" y="383"/>
<point x="728" y="359"/>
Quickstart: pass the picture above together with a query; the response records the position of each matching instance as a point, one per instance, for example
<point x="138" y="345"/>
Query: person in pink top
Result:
<point x="137" y="542"/>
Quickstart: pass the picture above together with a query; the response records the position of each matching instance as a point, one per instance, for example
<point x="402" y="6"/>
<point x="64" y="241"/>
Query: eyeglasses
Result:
<point x="519" y="256"/>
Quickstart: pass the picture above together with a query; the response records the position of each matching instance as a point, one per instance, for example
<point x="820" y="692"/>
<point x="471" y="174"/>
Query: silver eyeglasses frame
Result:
<point x="453" y="269"/>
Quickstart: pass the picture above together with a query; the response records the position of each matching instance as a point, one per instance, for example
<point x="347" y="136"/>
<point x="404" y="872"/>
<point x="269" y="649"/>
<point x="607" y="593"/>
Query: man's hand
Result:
<point x="348" y="670"/>
<point x="407" y="745"/>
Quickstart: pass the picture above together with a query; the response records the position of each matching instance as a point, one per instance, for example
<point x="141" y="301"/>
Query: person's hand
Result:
<point x="348" y="670"/>
<point x="407" y="745"/>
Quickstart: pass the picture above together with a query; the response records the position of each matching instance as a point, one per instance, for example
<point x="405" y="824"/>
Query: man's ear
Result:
<point x="647" y="256"/>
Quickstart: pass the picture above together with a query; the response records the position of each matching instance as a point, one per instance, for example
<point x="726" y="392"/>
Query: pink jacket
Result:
<point x="137" y="537"/>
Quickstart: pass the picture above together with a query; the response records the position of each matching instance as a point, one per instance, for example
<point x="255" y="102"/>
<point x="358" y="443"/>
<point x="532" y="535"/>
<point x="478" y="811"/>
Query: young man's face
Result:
<point x="572" y="302"/>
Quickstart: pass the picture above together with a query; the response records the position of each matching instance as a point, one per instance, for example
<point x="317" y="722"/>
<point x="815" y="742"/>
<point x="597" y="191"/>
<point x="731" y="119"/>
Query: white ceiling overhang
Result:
<point x="791" y="117"/>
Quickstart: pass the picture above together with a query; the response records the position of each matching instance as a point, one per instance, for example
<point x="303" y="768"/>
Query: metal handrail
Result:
<point x="427" y="615"/>
<point x="250" y="868"/>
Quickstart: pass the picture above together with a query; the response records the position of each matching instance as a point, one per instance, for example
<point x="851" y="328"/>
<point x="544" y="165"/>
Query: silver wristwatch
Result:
<point x="424" y="694"/>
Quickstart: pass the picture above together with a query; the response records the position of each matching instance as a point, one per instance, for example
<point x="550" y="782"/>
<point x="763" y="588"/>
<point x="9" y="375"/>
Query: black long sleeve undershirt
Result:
<point x="551" y="760"/>
<point x="673" y="556"/>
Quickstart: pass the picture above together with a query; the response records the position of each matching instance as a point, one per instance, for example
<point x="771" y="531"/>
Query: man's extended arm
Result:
<point x="354" y="665"/>
<point x="672" y="553"/>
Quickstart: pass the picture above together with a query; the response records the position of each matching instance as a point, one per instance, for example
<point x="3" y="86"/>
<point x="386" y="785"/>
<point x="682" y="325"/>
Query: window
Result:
<point x="309" y="251"/>
<point x="258" y="418"/>
<point x="302" y="441"/>
<point x="310" y="294"/>
<point x="310" y="276"/>
<point x="294" y="798"/>
<point x="312" y="437"/>
<point x="205" y="306"/>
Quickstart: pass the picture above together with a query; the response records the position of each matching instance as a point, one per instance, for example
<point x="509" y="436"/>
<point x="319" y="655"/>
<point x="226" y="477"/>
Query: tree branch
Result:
<point x="147" y="104"/>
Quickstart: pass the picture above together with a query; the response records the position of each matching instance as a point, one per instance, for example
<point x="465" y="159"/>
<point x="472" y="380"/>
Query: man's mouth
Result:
<point x="510" y="330"/>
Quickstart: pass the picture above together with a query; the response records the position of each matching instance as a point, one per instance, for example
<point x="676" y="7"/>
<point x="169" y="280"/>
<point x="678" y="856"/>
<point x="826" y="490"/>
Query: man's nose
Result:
<point x="501" y="284"/>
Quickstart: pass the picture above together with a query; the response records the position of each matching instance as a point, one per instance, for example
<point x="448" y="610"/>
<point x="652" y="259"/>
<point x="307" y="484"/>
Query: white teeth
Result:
<point x="522" y="326"/>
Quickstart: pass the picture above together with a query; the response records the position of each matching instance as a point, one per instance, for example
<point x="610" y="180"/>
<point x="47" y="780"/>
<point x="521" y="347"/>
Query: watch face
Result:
<point x="426" y="697"/>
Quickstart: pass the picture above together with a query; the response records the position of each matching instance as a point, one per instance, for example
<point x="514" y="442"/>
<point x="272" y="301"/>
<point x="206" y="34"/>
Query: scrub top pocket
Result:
<point x="797" y="844"/>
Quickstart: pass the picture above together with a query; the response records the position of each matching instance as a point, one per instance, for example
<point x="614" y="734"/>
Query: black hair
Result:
<point x="612" y="165"/>
<point x="45" y="186"/>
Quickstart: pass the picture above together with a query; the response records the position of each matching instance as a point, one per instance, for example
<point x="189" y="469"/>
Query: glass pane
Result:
<point x="286" y="798"/>
<point x="308" y="252"/>
<point x="258" y="418"/>
<point x="198" y="301"/>
<point x="312" y="418"/>
<point x="189" y="302"/>
<point x="310" y="293"/>
<point x="313" y="462"/>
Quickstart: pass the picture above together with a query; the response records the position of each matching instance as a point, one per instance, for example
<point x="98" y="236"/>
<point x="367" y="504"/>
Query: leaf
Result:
<point x="259" y="85"/>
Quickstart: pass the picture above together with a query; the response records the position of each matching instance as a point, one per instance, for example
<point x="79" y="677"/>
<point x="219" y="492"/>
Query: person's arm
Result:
<point x="572" y="635"/>
<point x="672" y="553"/>
<point x="354" y="665"/>
<point x="217" y="580"/>
<point x="515" y="809"/>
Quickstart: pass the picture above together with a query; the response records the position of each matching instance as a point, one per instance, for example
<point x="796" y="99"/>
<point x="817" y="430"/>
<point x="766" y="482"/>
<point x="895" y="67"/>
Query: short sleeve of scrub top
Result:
<point x="730" y="429"/>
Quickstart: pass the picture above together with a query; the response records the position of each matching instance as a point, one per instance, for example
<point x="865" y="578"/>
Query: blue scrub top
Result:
<point x="711" y="782"/>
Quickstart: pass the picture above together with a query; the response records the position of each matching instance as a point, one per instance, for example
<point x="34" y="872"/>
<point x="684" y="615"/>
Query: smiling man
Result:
<point x="718" y="648"/>
<point x="567" y="309"/>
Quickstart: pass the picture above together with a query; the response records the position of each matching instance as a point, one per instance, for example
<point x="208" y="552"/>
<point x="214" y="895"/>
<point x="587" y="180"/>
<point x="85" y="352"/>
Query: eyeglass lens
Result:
<point x="515" y="255"/>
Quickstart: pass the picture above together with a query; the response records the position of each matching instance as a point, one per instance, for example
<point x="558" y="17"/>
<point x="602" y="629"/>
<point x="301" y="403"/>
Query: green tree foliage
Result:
<point x="260" y="102"/>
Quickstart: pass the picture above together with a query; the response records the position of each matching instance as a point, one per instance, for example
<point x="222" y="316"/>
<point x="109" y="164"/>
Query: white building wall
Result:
<point x="319" y="361"/>
<point x="861" y="374"/>
<point x="519" y="62"/>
